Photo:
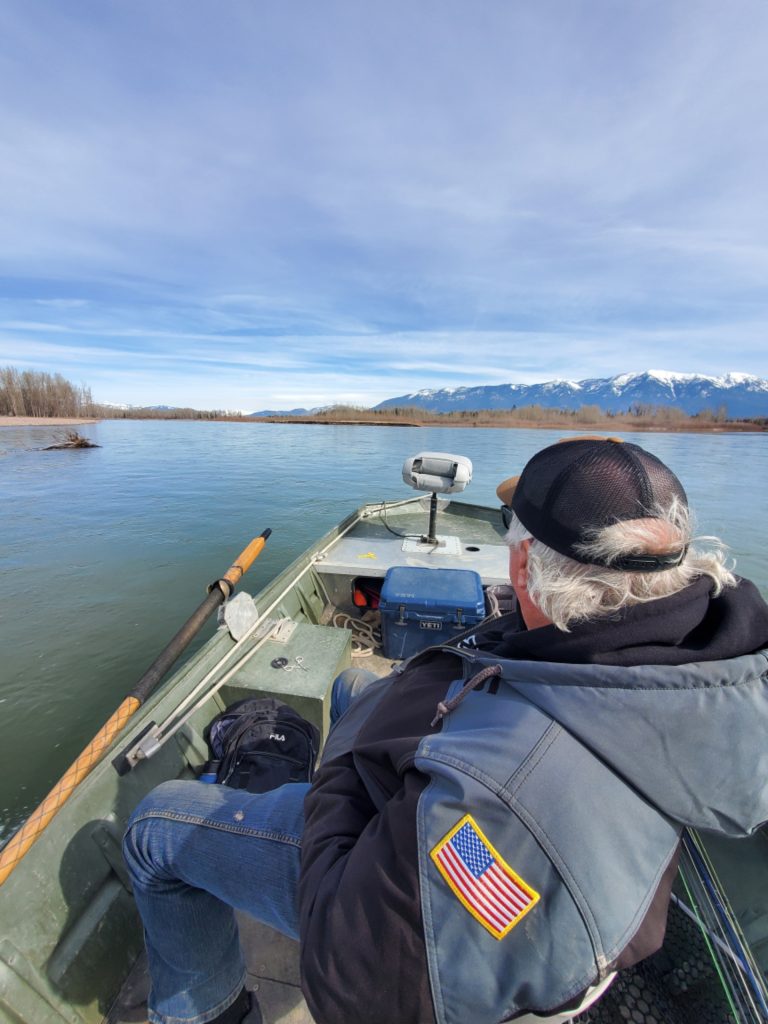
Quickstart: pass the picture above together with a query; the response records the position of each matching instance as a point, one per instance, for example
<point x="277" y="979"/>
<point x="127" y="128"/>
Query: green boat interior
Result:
<point x="72" y="945"/>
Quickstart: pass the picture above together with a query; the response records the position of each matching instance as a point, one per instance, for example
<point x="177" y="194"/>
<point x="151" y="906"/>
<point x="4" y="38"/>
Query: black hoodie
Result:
<point x="362" y="953"/>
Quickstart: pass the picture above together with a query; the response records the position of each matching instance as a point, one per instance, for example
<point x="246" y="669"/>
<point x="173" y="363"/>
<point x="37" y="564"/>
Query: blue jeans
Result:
<point x="195" y="853"/>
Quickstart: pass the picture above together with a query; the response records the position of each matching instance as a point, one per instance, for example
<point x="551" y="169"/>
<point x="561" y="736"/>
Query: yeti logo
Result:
<point x="277" y="736"/>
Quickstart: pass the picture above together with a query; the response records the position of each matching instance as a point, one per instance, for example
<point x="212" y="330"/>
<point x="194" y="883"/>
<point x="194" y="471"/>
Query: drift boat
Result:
<point x="71" y="950"/>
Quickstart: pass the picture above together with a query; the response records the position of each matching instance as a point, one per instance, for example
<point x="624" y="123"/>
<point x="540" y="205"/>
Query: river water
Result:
<point x="104" y="552"/>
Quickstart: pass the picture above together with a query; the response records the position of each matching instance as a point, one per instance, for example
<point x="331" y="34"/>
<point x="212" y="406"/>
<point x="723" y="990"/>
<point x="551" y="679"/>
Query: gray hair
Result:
<point x="567" y="591"/>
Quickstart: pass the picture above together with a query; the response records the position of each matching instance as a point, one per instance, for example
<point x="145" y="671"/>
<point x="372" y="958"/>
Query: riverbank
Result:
<point x="43" y="421"/>
<point x="616" y="425"/>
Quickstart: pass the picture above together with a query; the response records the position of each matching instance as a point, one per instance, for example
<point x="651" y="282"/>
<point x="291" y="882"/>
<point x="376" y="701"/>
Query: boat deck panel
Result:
<point x="373" y="556"/>
<point x="378" y="542"/>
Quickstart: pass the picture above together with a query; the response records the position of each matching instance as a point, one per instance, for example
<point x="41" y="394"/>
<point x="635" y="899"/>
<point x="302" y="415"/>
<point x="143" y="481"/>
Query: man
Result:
<point x="494" y="828"/>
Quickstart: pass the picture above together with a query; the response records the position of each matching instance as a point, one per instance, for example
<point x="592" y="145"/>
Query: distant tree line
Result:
<point x="148" y="413"/>
<point x="638" y="414"/>
<point x="30" y="393"/>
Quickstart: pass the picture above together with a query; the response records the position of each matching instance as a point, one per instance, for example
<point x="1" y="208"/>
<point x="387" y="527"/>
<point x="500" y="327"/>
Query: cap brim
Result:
<point x="506" y="489"/>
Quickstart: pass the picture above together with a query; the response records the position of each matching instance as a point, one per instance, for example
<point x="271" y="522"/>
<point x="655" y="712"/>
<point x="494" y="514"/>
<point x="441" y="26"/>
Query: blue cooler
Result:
<point x="422" y="607"/>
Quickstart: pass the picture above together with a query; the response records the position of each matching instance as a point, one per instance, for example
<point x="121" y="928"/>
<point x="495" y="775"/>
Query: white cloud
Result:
<point x="517" y="192"/>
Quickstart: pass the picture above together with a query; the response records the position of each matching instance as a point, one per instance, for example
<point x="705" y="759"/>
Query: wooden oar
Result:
<point x="41" y="817"/>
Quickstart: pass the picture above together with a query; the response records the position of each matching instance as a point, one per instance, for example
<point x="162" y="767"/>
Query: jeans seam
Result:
<point x="191" y="819"/>
<point x="207" y="1015"/>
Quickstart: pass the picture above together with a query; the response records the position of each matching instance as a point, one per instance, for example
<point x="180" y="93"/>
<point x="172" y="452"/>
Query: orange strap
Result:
<point x="21" y="841"/>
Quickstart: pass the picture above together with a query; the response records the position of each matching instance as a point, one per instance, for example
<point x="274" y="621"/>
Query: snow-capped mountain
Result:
<point x="742" y="394"/>
<point x="285" y="412"/>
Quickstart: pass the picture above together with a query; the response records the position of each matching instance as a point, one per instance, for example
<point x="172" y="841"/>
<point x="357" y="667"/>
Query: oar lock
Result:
<point x="224" y="585"/>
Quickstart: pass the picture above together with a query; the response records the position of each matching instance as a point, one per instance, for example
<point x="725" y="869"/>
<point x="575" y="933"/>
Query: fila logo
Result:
<point x="277" y="736"/>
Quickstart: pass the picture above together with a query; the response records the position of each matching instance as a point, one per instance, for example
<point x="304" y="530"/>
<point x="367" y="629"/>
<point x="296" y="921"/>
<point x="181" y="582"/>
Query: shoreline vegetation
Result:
<point x="31" y="398"/>
<point x="665" y="419"/>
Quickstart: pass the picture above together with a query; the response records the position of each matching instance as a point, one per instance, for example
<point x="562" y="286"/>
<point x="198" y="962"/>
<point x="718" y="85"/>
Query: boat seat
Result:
<point x="322" y="651"/>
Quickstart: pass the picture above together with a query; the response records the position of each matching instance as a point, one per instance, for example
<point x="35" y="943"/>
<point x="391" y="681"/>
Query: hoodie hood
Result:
<point x="689" y="626"/>
<point x="672" y="694"/>
<point x="691" y="739"/>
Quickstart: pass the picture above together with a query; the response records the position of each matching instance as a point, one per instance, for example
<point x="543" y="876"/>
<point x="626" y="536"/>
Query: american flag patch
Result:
<point x="491" y="891"/>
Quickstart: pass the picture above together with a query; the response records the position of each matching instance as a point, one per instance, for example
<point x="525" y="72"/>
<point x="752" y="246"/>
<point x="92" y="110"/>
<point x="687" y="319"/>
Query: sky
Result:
<point x="261" y="204"/>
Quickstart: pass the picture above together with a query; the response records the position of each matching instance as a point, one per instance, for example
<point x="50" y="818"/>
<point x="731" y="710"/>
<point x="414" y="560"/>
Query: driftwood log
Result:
<point x="72" y="439"/>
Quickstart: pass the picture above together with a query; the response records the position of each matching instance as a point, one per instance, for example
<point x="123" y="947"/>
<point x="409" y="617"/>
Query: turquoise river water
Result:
<point x="104" y="552"/>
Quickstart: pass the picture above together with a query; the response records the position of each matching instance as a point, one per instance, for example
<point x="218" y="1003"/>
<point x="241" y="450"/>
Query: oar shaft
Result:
<point x="218" y="592"/>
<point x="21" y="841"/>
<point x="148" y="682"/>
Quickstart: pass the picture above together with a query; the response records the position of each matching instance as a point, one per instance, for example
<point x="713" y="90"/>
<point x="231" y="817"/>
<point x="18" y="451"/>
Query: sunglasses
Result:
<point x="506" y="516"/>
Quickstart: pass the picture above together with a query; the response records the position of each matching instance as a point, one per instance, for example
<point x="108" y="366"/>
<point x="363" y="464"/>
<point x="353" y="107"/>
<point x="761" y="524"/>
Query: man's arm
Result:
<point x="362" y="955"/>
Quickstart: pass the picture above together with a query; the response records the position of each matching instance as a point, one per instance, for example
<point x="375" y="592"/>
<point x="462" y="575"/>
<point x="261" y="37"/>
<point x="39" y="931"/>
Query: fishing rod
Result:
<point x="41" y="817"/>
<point x="743" y="986"/>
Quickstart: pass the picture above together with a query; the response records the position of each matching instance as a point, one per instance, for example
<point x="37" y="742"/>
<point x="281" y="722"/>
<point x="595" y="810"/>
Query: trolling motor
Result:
<point x="439" y="473"/>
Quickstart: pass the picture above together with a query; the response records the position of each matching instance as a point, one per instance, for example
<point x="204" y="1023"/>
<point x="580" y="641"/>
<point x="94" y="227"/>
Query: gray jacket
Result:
<point x="534" y="772"/>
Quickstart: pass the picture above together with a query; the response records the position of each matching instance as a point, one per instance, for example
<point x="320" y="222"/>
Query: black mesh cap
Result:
<point x="567" y="491"/>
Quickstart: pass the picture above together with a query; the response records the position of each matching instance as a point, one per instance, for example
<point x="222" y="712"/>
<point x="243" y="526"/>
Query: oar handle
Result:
<point x="242" y="563"/>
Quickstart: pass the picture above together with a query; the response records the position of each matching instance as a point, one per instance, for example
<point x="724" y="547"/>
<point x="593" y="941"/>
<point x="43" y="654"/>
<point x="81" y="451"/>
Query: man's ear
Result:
<point x="522" y="564"/>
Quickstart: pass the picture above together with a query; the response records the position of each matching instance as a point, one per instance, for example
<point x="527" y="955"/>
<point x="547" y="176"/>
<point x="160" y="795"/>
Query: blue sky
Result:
<point x="250" y="204"/>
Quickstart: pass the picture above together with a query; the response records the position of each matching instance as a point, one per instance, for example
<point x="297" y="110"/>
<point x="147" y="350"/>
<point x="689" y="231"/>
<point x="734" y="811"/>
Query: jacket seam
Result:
<point x="536" y="755"/>
<point x="430" y="947"/>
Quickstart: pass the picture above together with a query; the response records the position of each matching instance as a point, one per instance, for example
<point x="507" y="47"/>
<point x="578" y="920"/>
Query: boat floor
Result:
<point x="678" y="985"/>
<point x="272" y="961"/>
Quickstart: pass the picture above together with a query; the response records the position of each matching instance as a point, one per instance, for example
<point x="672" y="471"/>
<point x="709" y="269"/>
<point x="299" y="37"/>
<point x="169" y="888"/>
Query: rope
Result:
<point x="365" y="637"/>
<point x="445" y="707"/>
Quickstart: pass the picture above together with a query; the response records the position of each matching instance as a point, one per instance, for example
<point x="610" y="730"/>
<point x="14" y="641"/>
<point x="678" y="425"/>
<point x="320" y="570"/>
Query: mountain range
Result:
<point x="742" y="395"/>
